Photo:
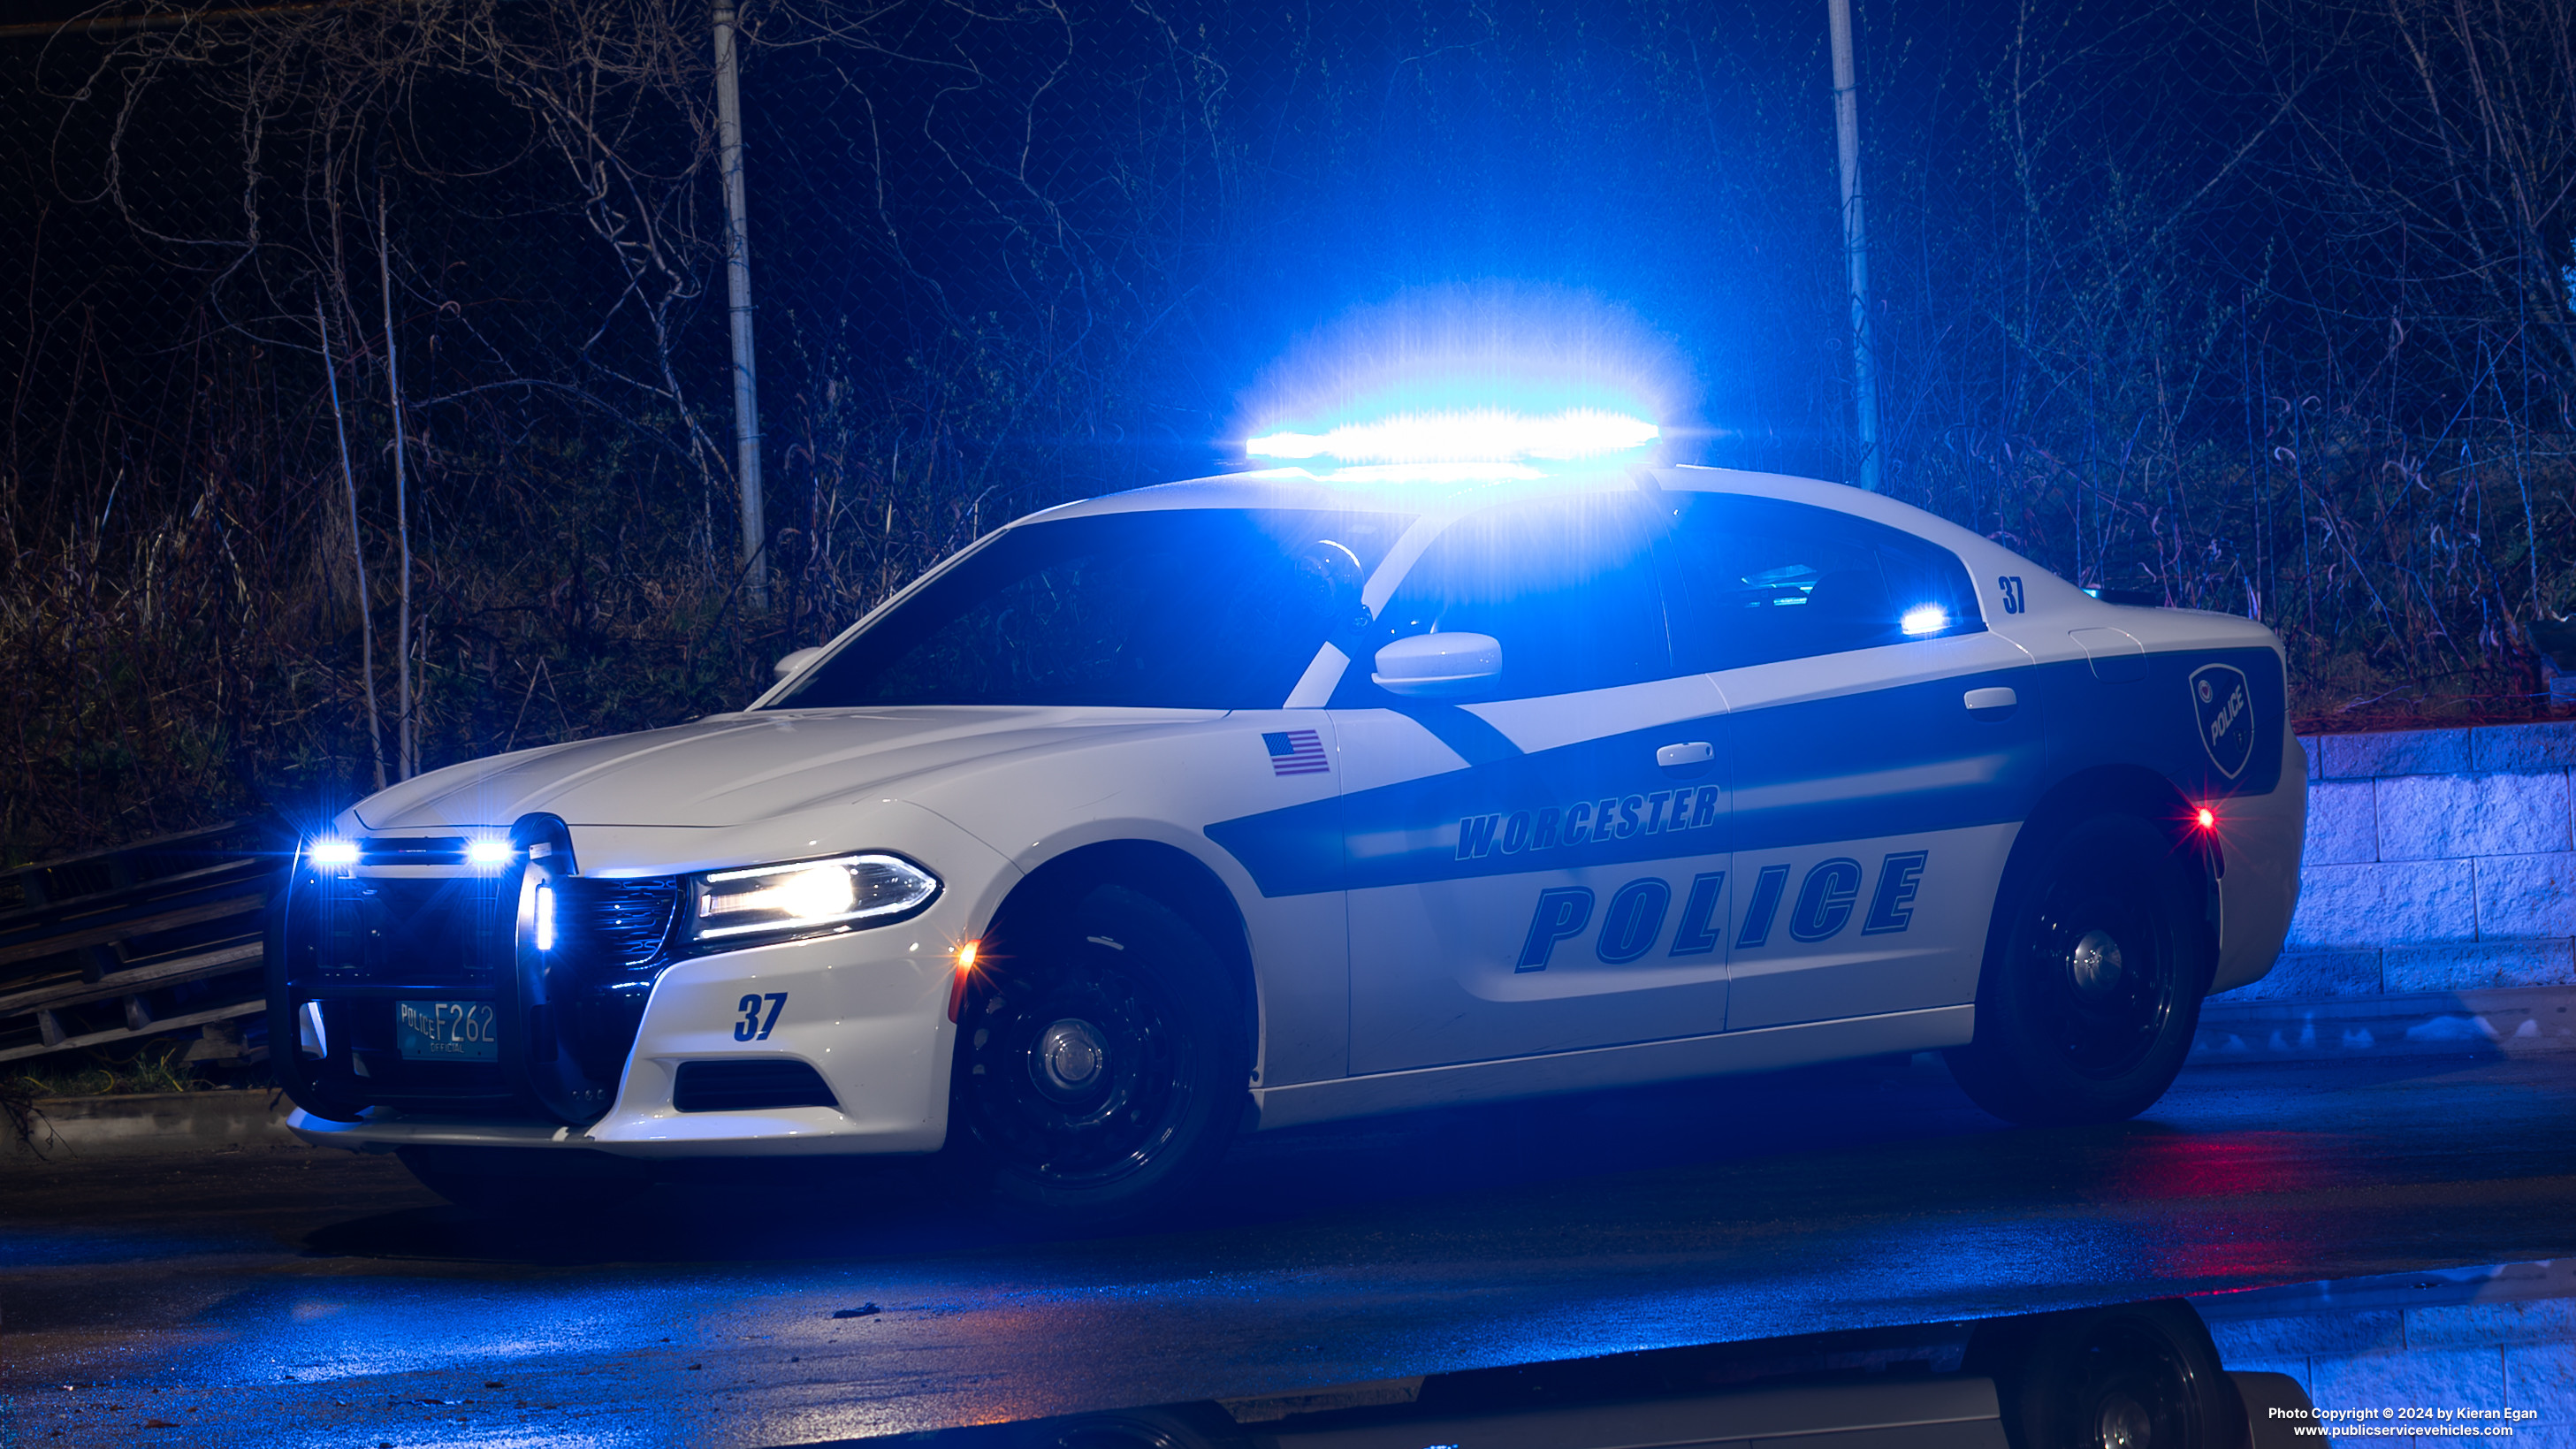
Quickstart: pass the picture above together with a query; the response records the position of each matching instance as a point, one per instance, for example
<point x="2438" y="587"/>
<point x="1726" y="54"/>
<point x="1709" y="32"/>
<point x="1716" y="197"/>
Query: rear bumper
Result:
<point x="2262" y="836"/>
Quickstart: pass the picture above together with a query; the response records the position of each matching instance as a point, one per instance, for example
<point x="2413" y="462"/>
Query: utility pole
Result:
<point x="357" y="547"/>
<point x="1856" y="244"/>
<point x="746" y="392"/>
<point x="406" y="728"/>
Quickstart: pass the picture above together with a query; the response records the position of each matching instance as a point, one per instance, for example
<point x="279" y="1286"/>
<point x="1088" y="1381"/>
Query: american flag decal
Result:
<point x="1298" y="752"/>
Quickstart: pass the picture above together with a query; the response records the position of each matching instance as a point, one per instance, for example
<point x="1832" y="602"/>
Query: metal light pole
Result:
<point x="746" y="392"/>
<point x="1855" y="243"/>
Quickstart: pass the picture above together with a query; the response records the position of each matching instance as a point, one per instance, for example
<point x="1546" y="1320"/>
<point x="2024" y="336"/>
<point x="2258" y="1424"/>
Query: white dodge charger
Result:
<point x="1281" y="797"/>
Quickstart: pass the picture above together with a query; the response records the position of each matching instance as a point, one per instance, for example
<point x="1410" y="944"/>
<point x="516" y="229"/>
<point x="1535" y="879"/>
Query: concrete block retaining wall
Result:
<point x="2436" y="861"/>
<point x="2455" y="1338"/>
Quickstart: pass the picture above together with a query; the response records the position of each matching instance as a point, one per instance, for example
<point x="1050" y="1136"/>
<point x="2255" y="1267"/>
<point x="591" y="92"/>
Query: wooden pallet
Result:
<point x="152" y="939"/>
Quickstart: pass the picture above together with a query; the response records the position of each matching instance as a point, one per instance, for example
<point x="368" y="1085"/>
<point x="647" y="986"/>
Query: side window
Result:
<point x="1567" y="585"/>
<point x="1754" y="580"/>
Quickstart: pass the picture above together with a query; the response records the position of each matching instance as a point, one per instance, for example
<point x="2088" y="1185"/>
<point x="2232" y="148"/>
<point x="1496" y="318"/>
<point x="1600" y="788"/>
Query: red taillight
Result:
<point x="2206" y="817"/>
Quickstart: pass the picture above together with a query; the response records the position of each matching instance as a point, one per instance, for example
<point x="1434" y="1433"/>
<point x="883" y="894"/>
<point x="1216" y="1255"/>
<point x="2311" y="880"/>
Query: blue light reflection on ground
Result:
<point x="348" y="1337"/>
<point x="49" y="1247"/>
<point x="1659" y="1218"/>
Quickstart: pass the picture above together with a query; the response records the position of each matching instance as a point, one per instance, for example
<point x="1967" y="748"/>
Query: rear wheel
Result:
<point x="1101" y="1064"/>
<point x="2093" y="978"/>
<point x="2134" y="1376"/>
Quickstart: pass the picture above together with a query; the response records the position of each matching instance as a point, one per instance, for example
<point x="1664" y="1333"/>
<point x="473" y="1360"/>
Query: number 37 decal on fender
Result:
<point x="755" y="1025"/>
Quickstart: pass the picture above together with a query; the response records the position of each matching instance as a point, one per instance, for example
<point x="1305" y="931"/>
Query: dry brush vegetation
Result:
<point x="2264" y="311"/>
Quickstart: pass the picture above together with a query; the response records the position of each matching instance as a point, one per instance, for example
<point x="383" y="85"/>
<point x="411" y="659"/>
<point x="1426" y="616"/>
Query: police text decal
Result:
<point x="1632" y="923"/>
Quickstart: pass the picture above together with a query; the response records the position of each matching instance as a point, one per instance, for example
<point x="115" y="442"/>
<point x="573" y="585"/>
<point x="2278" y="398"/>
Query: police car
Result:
<point x="1291" y="796"/>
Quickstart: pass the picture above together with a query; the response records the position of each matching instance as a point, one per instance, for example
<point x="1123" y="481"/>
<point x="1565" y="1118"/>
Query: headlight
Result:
<point x="809" y="895"/>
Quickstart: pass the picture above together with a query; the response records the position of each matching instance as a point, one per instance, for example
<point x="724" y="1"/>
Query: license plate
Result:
<point x="445" y="1031"/>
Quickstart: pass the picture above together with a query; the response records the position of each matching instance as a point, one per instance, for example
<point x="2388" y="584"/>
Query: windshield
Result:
<point x="1170" y="609"/>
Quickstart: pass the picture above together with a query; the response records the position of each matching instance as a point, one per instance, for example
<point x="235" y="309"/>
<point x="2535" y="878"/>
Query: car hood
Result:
<point x="736" y="769"/>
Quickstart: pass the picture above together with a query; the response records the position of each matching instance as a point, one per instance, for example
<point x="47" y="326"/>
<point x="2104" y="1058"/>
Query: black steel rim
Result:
<point x="2106" y="976"/>
<point x="1078" y="1133"/>
<point x="2138" y="1393"/>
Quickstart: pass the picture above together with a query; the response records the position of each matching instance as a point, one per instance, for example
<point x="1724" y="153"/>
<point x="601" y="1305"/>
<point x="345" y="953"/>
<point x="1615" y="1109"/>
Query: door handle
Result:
<point x="1993" y="702"/>
<point x="1684" y="756"/>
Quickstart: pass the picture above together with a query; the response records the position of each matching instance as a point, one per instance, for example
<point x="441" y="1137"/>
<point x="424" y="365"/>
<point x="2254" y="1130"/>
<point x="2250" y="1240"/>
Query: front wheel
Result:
<point x="1101" y="1063"/>
<point x="2093" y="979"/>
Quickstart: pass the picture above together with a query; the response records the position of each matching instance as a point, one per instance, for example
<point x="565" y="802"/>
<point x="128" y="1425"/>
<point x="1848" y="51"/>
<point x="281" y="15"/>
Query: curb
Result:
<point x="147" y="1124"/>
<point x="2504" y="1022"/>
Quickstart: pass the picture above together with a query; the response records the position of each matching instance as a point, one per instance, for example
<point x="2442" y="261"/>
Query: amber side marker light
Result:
<point x="957" y="982"/>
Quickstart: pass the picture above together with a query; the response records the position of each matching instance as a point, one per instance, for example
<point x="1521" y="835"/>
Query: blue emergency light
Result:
<point x="1467" y="436"/>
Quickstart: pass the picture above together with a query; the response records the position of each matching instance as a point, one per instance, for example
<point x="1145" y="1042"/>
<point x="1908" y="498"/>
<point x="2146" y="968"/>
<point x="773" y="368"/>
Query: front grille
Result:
<point x="615" y="939"/>
<point x="749" y="1086"/>
<point x="618" y="925"/>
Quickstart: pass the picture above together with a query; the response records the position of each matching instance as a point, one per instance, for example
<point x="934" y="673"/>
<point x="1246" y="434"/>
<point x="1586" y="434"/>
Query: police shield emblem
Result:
<point x="2223" y="703"/>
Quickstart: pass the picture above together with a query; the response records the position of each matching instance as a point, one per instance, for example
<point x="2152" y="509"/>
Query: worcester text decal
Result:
<point x="1655" y="812"/>
<point x="1632" y="923"/>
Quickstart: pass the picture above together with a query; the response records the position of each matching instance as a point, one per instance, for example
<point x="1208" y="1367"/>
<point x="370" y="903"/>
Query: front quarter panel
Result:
<point x="1167" y="786"/>
<point x="868" y="1009"/>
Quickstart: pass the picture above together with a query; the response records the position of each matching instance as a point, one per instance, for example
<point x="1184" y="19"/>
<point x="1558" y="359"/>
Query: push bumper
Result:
<point x="868" y="1011"/>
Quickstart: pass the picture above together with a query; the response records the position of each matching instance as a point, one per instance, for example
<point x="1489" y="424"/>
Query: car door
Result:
<point x="1883" y="749"/>
<point x="1542" y="868"/>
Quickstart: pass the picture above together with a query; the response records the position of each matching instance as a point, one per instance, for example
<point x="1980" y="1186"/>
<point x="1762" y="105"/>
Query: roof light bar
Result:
<point x="1434" y="473"/>
<point x="1467" y="435"/>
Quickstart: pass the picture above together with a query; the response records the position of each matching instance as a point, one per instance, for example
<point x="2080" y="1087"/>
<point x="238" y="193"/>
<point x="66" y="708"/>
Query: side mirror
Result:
<point x="1440" y="666"/>
<point x="795" y="661"/>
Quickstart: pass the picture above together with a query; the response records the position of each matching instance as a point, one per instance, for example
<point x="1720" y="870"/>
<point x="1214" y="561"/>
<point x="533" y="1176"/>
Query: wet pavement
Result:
<point x="290" y="1297"/>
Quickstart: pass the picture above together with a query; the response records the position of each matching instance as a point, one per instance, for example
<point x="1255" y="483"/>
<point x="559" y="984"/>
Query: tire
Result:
<point x="1101" y="1064"/>
<point x="2093" y="977"/>
<point x="506" y="1181"/>
<point x="2132" y="1376"/>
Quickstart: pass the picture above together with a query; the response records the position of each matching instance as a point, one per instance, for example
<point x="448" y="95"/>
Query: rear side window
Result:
<point x="1567" y="585"/>
<point x="1757" y="580"/>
